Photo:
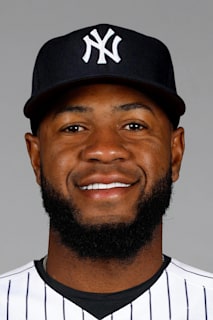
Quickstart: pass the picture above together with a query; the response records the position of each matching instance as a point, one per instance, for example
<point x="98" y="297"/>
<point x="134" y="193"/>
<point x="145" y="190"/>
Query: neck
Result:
<point x="111" y="275"/>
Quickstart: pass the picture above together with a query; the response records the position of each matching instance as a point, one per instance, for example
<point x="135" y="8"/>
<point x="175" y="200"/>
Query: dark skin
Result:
<point x="105" y="134"/>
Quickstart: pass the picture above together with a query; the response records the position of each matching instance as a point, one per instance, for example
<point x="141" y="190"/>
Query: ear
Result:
<point x="33" y="148"/>
<point x="178" y="145"/>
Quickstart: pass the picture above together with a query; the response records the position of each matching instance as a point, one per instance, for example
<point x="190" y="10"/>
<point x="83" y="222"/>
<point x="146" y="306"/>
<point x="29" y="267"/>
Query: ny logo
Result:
<point x="100" y="44"/>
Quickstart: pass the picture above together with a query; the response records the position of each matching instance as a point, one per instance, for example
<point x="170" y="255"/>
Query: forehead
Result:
<point x="99" y="97"/>
<point x="108" y="97"/>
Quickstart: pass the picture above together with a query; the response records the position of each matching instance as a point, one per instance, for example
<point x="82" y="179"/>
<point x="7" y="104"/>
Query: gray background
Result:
<point x="186" y="27"/>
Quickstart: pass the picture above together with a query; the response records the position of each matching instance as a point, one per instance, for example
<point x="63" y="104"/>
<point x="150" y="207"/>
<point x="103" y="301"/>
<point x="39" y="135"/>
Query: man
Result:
<point x="105" y="148"/>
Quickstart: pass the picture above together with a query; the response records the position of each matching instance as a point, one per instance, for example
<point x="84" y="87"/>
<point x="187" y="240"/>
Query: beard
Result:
<point x="119" y="241"/>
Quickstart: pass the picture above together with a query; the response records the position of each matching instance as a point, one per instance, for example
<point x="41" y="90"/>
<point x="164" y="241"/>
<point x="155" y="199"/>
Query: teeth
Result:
<point x="102" y="186"/>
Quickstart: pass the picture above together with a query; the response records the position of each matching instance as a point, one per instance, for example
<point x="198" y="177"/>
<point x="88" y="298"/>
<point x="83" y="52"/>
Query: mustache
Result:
<point x="129" y="172"/>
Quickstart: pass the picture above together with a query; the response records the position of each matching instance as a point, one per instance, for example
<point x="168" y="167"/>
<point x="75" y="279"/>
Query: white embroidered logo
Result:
<point x="100" y="44"/>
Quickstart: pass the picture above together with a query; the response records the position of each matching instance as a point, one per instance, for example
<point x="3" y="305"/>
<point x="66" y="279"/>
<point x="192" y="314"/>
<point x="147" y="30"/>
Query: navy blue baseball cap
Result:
<point x="103" y="53"/>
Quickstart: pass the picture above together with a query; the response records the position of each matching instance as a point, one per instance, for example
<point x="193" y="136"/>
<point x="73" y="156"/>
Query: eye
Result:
<point x="74" y="128"/>
<point x="134" y="126"/>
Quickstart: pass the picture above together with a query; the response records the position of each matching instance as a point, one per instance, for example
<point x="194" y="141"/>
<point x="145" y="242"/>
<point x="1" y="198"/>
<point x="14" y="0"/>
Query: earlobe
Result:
<point x="33" y="148"/>
<point x="178" y="145"/>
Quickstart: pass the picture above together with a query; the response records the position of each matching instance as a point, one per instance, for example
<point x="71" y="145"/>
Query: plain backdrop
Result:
<point x="186" y="27"/>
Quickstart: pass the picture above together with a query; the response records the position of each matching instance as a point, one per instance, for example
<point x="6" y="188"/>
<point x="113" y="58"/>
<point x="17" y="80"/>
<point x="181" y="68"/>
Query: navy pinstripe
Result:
<point x="63" y="308"/>
<point x="8" y="298"/>
<point x="131" y="311"/>
<point x="187" y="300"/>
<point x="150" y="304"/>
<point x="205" y="303"/>
<point x="45" y="302"/>
<point x="27" y="293"/>
<point x="168" y="292"/>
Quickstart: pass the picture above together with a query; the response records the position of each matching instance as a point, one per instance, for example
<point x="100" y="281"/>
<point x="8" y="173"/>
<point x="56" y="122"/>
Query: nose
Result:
<point x="105" y="147"/>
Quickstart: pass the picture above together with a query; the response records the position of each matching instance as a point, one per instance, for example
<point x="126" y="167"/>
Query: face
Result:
<point x="103" y="148"/>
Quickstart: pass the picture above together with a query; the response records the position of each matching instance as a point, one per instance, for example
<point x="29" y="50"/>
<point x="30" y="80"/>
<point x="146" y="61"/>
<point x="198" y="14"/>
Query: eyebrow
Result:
<point x="86" y="109"/>
<point x="132" y="106"/>
<point x="74" y="109"/>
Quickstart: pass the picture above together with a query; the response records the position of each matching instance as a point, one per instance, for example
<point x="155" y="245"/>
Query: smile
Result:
<point x="103" y="186"/>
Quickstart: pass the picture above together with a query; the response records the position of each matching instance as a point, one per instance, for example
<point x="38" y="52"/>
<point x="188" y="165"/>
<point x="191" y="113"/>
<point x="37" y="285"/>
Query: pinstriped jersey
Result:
<point x="180" y="293"/>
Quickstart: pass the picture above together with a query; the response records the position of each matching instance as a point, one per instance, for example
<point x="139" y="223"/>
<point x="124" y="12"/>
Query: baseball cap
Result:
<point x="103" y="53"/>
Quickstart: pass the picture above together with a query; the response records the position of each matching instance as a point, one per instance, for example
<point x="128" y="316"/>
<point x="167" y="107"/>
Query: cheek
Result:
<point x="154" y="160"/>
<point x="57" y="163"/>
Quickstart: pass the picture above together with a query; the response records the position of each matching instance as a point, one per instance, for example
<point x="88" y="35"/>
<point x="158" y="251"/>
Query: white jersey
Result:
<point x="180" y="293"/>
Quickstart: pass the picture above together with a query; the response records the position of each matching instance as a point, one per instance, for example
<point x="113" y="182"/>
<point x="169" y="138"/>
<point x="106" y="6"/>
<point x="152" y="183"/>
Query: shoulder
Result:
<point x="190" y="275"/>
<point x="17" y="278"/>
<point x="17" y="273"/>
<point x="18" y="288"/>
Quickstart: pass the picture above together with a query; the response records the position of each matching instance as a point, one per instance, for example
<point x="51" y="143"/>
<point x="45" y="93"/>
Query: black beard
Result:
<point x="120" y="241"/>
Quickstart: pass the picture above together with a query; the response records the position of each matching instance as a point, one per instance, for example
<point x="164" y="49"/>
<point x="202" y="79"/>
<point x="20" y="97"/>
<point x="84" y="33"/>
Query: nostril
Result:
<point x="105" y="153"/>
